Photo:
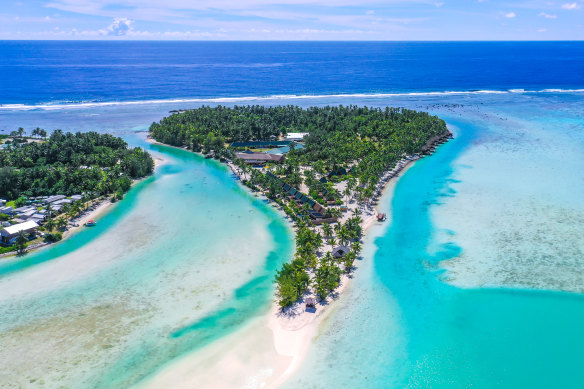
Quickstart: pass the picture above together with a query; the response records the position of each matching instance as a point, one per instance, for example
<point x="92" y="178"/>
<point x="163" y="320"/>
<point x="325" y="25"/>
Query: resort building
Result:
<point x="340" y="251"/>
<point x="6" y="210"/>
<point x="259" y="158"/>
<point x="296" y="135"/>
<point x="9" y="234"/>
<point x="38" y="218"/>
<point x="26" y="214"/>
<point x="61" y="202"/>
<point x="53" y="198"/>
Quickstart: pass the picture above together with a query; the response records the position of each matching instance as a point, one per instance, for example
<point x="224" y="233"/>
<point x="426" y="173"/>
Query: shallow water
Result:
<point x="187" y="257"/>
<point x="445" y="296"/>
<point x="501" y="202"/>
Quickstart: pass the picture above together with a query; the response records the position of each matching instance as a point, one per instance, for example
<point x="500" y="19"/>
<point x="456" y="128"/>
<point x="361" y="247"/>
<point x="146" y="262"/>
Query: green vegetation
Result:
<point x="21" y="242"/>
<point x="68" y="163"/>
<point x="344" y="156"/>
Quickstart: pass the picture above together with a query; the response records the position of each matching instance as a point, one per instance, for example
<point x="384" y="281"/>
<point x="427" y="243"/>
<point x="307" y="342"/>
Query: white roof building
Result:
<point x="296" y="135"/>
<point x="54" y="198"/>
<point x="27" y="214"/>
<point x="15" y="229"/>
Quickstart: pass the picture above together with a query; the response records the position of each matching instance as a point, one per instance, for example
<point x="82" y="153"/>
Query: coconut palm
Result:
<point x="347" y="193"/>
<point x="50" y="224"/>
<point x="62" y="223"/>
<point x="344" y="235"/>
<point x="21" y="241"/>
<point x="327" y="231"/>
<point x="49" y="209"/>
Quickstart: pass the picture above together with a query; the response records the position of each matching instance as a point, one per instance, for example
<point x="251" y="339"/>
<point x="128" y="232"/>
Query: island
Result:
<point x="47" y="184"/>
<point x="325" y="167"/>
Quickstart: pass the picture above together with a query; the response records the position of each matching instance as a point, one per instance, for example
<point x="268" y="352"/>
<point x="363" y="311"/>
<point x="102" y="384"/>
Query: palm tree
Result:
<point x="344" y="235"/>
<point x="85" y="200"/>
<point x="348" y="260"/>
<point x="337" y="227"/>
<point x="356" y="246"/>
<point x="327" y="231"/>
<point x="21" y="241"/>
<point x="62" y="223"/>
<point x="347" y="193"/>
<point x="50" y="224"/>
<point x="20" y="132"/>
<point x="335" y="212"/>
<point x="49" y="209"/>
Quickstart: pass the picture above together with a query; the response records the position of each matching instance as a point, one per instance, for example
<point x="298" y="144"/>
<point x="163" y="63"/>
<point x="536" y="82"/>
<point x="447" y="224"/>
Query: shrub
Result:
<point x="53" y="237"/>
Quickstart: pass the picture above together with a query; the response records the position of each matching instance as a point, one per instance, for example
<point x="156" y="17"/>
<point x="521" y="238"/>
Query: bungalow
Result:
<point x="23" y="209"/>
<point x="53" y="198"/>
<point x="26" y="214"/>
<point x="76" y="197"/>
<point x="39" y="216"/>
<point x="9" y="234"/>
<point x="260" y="158"/>
<point x="61" y="202"/>
<point x="340" y="251"/>
<point x="6" y="210"/>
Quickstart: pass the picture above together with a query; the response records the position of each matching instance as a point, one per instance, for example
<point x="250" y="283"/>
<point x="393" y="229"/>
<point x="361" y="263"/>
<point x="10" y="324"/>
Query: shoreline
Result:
<point x="280" y="342"/>
<point x="281" y="339"/>
<point x="76" y="224"/>
<point x="293" y="334"/>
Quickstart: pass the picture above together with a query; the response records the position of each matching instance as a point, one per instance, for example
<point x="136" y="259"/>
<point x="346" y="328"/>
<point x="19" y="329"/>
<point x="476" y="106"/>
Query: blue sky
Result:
<point x="293" y="19"/>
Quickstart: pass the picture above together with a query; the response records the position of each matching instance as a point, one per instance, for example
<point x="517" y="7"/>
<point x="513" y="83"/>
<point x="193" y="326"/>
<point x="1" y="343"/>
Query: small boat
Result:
<point x="91" y="223"/>
<point x="381" y="217"/>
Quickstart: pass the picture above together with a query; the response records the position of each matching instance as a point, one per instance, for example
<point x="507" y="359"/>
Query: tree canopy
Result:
<point x="68" y="163"/>
<point x="352" y="144"/>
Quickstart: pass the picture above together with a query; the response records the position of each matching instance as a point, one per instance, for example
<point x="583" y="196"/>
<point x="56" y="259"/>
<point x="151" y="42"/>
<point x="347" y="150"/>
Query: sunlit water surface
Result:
<point x="474" y="281"/>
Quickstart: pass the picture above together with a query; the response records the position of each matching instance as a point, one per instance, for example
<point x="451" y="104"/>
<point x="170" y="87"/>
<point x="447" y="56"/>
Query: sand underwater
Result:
<point x="475" y="280"/>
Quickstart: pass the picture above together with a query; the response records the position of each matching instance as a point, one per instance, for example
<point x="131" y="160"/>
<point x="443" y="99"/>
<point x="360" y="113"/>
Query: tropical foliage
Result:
<point x="69" y="163"/>
<point x="354" y="145"/>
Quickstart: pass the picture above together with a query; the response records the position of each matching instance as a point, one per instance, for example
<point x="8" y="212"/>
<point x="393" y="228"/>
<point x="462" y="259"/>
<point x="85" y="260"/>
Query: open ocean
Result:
<point x="476" y="280"/>
<point x="60" y="72"/>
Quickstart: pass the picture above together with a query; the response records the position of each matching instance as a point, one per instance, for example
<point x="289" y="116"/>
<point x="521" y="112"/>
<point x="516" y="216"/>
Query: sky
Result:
<point x="292" y="19"/>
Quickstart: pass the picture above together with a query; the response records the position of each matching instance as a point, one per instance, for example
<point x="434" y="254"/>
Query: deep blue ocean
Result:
<point x="33" y="72"/>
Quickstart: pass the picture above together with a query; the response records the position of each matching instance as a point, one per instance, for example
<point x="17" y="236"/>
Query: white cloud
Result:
<point x="548" y="16"/>
<point x="370" y="12"/>
<point x="119" y="27"/>
<point x="510" y="15"/>
<point x="570" y="6"/>
<point x="542" y="30"/>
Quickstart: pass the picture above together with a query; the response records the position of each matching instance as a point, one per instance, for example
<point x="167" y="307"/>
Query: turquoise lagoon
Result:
<point x="470" y="284"/>
<point x="475" y="281"/>
<point x="187" y="257"/>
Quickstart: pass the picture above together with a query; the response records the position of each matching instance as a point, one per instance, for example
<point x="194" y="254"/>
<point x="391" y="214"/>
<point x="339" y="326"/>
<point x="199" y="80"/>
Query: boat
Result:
<point x="381" y="217"/>
<point x="91" y="223"/>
